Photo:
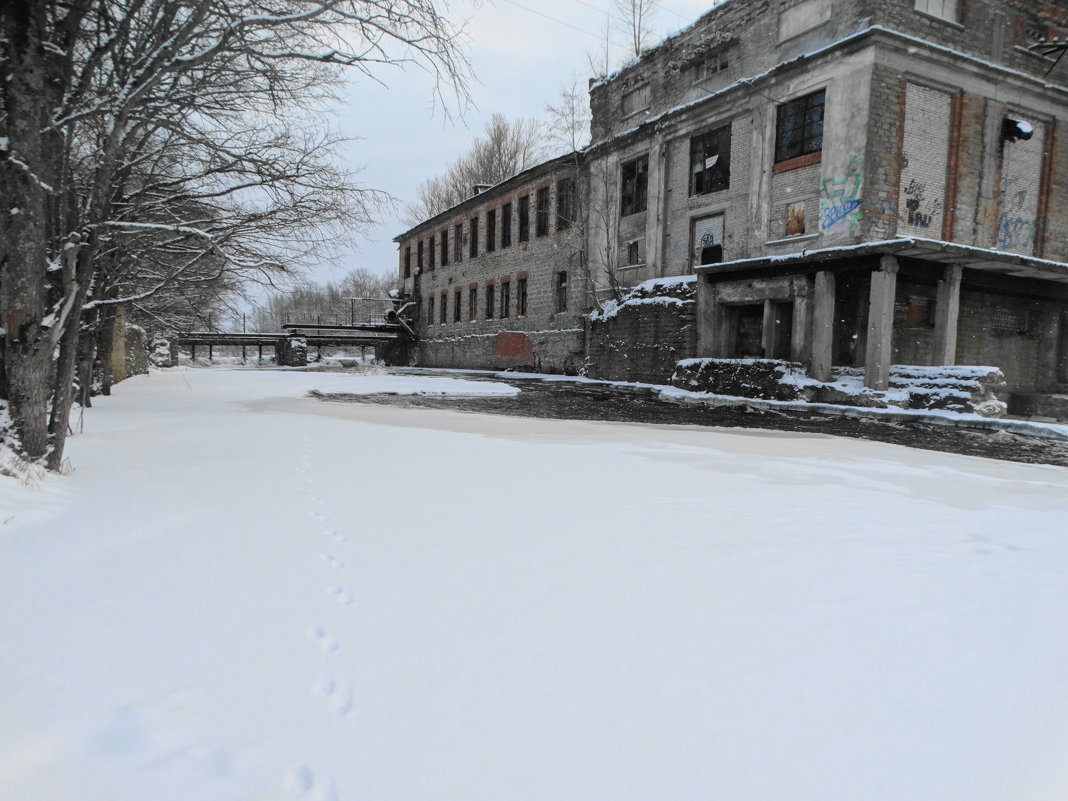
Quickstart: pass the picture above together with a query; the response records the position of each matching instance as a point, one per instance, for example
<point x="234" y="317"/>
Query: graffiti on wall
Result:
<point x="1016" y="230"/>
<point x="840" y="201"/>
<point x="920" y="212"/>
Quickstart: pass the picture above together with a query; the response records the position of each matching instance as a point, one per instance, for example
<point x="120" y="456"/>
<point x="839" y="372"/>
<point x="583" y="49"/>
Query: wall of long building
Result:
<point x="511" y="292"/>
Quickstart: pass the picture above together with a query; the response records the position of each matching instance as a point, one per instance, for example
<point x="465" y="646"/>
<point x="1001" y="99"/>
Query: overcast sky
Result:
<point x="522" y="52"/>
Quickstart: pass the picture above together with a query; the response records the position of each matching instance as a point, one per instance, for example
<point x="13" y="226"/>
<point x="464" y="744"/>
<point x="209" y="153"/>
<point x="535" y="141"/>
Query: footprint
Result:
<point x="333" y="561"/>
<point x="299" y="780"/>
<point x="338" y="536"/>
<point x="327" y="643"/>
<point x="340" y="594"/>
<point x="340" y="699"/>
<point x="321" y="516"/>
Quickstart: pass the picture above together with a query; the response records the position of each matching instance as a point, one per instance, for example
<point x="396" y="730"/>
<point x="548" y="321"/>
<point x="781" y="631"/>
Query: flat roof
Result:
<point x="998" y="261"/>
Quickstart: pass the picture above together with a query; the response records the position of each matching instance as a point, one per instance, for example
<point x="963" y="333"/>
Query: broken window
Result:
<point x="524" y="218"/>
<point x="491" y="295"/>
<point x="800" y="127"/>
<point x="444" y="248"/>
<point x="565" y="203"/>
<point x="458" y="241"/>
<point x="635" y="182"/>
<point x="491" y="230"/>
<point x="472" y="303"/>
<point x="712" y="65"/>
<point x="506" y="298"/>
<point x="473" y="237"/>
<point x="541" y="214"/>
<point x="456" y="303"/>
<point x="633" y="253"/>
<point x="506" y="225"/>
<point x="408" y="261"/>
<point x="944" y="9"/>
<point x="521" y="297"/>
<point x="710" y="161"/>
<point x="561" y="291"/>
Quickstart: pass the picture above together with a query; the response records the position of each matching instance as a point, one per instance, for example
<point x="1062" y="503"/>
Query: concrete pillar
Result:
<point x="769" y="329"/>
<point x="706" y="317"/>
<point x="947" y="310"/>
<point x="879" y="348"/>
<point x="822" y="326"/>
<point x="800" y="336"/>
<point x="655" y="200"/>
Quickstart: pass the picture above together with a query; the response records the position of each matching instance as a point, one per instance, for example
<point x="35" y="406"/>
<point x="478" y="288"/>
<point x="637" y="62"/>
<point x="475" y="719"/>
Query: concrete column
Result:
<point x="800" y="336"/>
<point x="654" y="220"/>
<point x="822" y="326"/>
<point x="769" y="329"/>
<point x="706" y="318"/>
<point x="879" y="349"/>
<point x="947" y="310"/>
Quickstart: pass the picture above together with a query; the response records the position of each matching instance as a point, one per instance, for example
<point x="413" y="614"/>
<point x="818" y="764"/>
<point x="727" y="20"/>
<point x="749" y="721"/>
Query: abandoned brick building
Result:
<point x="855" y="183"/>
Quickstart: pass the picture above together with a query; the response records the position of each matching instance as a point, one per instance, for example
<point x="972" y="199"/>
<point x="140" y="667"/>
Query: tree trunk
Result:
<point x="25" y="93"/>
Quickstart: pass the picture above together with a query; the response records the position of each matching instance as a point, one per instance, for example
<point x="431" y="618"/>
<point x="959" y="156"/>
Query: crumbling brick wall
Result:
<point x="644" y="336"/>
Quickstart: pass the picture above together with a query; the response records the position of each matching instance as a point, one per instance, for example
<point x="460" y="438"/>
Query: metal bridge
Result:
<point x="391" y="331"/>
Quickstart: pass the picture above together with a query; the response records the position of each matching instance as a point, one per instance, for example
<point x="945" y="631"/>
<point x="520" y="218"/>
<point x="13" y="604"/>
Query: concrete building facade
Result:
<point x="856" y="183"/>
<point x="497" y="278"/>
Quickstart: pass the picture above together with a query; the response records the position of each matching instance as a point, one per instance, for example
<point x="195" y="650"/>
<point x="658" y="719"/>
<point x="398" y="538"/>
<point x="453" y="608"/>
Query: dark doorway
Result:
<point x="782" y="340"/>
<point x="749" y="331"/>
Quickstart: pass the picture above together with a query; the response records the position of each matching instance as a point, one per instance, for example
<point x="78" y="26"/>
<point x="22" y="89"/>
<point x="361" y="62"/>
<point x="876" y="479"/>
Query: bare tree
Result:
<point x="505" y="148"/>
<point x="567" y="126"/>
<point x="144" y="142"/>
<point x="636" y="22"/>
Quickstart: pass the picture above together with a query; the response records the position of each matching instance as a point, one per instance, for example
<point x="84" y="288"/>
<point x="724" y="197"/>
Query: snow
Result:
<point x="240" y="592"/>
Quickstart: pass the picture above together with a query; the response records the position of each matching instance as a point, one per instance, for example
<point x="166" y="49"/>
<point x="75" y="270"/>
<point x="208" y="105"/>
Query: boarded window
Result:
<point x="944" y="9"/>
<point x="707" y="240"/>
<point x="710" y="161"/>
<point x="635" y="100"/>
<point x="800" y="127"/>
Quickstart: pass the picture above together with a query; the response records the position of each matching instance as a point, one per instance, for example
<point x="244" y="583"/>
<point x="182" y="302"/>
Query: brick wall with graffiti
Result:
<point x="925" y="156"/>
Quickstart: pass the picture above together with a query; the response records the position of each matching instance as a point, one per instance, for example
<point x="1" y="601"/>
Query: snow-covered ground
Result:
<point x="241" y="593"/>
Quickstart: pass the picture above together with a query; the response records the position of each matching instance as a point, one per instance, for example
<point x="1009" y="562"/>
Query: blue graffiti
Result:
<point x="835" y="212"/>
<point x="1016" y="234"/>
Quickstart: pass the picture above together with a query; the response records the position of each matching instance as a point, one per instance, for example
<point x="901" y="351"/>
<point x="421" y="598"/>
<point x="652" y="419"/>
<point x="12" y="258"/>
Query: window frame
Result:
<point x="472" y="303"/>
<point x="524" y="218"/>
<point x="716" y="178"/>
<point x="560" y="295"/>
<point x="407" y="261"/>
<point x="458" y="242"/>
<point x="491" y="230"/>
<point x="430" y="257"/>
<point x="491" y="299"/>
<point x="445" y="248"/>
<point x="472" y="235"/>
<point x="927" y="9"/>
<point x="521" y="296"/>
<point x="457" y="312"/>
<point x="506" y="225"/>
<point x="805" y="144"/>
<point x="565" y="203"/>
<point x="444" y="308"/>
<point x="542" y="207"/>
<point x="506" y="299"/>
<point x="634" y="188"/>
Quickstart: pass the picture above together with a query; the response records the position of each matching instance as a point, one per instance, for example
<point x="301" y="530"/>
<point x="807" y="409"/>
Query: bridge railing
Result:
<point x="355" y="312"/>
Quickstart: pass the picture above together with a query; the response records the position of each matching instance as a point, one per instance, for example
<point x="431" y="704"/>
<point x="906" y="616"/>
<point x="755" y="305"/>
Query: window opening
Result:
<point x="524" y="218"/>
<point x="541" y="217"/>
<point x="635" y="180"/>
<point x="799" y="130"/>
<point x="710" y="161"/>
<point x="506" y="225"/>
